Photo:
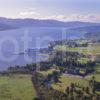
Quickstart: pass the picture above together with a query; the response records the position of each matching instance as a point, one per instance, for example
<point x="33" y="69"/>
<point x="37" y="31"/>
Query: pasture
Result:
<point x="16" y="87"/>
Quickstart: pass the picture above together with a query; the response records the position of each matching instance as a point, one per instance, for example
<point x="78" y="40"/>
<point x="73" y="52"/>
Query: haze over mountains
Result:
<point x="8" y="24"/>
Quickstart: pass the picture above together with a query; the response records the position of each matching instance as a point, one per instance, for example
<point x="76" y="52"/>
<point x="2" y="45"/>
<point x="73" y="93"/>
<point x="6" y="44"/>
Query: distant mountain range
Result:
<point x="43" y="23"/>
<point x="89" y="28"/>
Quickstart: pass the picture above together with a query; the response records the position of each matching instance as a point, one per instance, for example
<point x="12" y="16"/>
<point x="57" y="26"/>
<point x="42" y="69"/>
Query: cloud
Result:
<point x="28" y="13"/>
<point x="76" y="17"/>
<point x="31" y="12"/>
<point x="85" y="17"/>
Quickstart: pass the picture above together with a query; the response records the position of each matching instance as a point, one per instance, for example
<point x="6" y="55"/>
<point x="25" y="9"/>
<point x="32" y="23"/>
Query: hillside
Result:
<point x="27" y="22"/>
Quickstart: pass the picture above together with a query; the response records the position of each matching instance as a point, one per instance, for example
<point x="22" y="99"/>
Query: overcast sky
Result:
<point x="67" y="10"/>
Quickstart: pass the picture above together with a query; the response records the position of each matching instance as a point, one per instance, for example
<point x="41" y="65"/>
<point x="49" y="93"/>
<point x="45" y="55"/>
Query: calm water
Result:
<point x="13" y="42"/>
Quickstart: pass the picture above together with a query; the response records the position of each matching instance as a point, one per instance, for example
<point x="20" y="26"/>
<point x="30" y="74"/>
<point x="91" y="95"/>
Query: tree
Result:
<point x="87" y="90"/>
<point x="67" y="90"/>
<point x="55" y="76"/>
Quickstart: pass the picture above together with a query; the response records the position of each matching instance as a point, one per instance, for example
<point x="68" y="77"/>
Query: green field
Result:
<point x="91" y="49"/>
<point x="16" y="87"/>
<point x="83" y="60"/>
<point x="45" y="73"/>
<point x="66" y="80"/>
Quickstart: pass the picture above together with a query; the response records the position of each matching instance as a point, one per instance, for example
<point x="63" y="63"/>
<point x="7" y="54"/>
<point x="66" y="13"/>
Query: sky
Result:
<point x="64" y="10"/>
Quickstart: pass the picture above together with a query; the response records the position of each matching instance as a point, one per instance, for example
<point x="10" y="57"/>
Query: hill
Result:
<point x="27" y="22"/>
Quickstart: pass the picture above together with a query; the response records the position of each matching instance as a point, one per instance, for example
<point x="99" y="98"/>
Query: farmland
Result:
<point x="91" y="49"/>
<point x="16" y="87"/>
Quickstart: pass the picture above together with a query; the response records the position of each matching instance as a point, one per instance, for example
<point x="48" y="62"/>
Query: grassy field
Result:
<point x="92" y="49"/>
<point x="66" y="80"/>
<point x="16" y="87"/>
<point x="83" y="60"/>
<point x="45" y="73"/>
